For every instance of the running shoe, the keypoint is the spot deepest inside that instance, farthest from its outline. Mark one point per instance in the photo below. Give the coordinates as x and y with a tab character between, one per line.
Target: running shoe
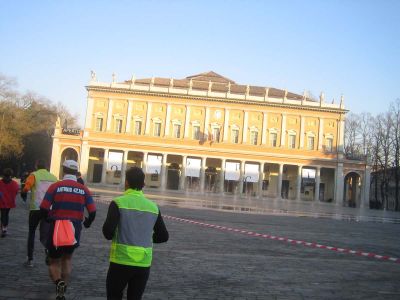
29	263
60	290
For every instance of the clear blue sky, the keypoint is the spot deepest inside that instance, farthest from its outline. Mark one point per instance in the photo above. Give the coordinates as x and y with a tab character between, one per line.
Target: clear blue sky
349	47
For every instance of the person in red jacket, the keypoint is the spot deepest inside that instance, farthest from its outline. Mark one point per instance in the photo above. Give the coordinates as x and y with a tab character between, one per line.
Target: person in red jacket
66	200
8	193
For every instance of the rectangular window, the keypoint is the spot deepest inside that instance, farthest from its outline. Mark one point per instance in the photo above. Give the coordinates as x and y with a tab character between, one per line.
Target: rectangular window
177	131
138	127
329	144
99	124
273	137
118	125
253	137
292	141
157	129
196	132
215	133
235	136
310	143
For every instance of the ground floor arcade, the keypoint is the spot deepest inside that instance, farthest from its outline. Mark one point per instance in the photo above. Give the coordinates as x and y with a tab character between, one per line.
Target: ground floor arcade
222	175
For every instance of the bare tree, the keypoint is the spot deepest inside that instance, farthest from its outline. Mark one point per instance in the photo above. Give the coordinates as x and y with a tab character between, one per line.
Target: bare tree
364	130
395	118
65	116
384	142
351	145
26	122
375	158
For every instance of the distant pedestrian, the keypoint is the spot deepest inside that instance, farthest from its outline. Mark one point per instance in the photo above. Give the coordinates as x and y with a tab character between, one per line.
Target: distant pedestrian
8	193
63	205
79	178
133	223
37	182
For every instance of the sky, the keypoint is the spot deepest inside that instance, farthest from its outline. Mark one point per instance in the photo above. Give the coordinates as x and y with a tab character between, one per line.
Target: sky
333	46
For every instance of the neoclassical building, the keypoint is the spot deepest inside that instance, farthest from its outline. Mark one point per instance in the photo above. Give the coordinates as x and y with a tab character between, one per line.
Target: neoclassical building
208	134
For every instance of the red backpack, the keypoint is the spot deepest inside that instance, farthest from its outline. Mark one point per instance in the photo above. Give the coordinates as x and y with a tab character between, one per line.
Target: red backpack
64	233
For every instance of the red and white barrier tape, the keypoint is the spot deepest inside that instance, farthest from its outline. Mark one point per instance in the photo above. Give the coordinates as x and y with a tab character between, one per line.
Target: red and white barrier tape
290	241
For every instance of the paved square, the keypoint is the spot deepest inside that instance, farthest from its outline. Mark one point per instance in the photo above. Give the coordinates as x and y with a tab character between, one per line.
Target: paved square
207	262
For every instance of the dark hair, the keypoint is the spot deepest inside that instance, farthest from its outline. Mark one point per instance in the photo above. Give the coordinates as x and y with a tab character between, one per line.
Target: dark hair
135	178
41	164
69	171
8	173
78	174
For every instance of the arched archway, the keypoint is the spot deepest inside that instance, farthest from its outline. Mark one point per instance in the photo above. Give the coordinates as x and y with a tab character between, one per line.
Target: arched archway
68	153
352	189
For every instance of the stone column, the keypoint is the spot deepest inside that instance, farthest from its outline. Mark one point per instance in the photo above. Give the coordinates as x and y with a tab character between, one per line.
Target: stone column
365	188
123	168
109	114
203	173
129	117
320	134
264	129
341	137
148	118
283	130
260	179
298	185
226	125
245	125
241	178
339	183
84	160
167	120
222	176
89	113
144	163
280	176
182	179
55	158
206	121
317	182
104	171
187	122
164	172
302	121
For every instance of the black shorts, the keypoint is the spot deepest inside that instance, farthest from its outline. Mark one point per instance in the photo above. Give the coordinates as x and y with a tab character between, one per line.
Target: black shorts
60	251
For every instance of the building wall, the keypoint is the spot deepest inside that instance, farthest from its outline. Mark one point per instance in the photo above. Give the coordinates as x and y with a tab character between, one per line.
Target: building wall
120	107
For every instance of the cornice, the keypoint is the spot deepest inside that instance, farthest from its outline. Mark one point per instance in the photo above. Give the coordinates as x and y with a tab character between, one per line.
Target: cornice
214	99
221	152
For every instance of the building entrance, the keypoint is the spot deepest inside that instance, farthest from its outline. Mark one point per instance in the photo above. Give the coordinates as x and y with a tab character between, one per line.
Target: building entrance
173	176
97	170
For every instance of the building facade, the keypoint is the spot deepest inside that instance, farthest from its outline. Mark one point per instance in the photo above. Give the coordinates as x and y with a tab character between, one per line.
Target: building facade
207	134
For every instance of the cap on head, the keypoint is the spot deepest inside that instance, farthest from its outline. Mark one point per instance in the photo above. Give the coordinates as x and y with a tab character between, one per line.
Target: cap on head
70	164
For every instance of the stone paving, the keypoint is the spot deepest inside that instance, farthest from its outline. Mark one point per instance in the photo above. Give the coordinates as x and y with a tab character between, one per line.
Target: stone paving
207	263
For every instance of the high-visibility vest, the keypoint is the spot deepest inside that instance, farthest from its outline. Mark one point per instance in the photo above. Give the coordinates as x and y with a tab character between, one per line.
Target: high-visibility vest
43	179
132	243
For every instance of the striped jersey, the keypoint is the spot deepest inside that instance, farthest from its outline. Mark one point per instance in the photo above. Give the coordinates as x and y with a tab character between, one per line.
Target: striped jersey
67	199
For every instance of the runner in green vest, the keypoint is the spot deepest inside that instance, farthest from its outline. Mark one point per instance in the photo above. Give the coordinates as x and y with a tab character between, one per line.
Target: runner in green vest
133	223
37	182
